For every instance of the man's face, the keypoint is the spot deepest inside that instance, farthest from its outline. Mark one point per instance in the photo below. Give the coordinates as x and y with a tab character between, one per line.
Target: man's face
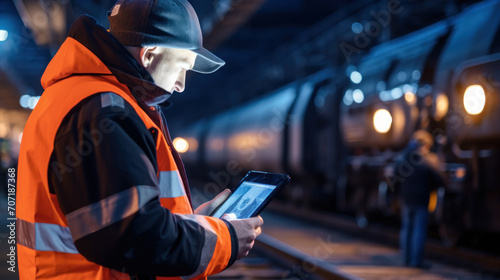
168	67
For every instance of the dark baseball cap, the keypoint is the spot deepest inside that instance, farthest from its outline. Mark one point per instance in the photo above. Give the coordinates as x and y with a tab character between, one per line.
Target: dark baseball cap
162	23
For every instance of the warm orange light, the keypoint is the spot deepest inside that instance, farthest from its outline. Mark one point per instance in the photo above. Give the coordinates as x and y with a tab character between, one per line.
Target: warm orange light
181	145
410	97
4	130
460	172
442	105
192	144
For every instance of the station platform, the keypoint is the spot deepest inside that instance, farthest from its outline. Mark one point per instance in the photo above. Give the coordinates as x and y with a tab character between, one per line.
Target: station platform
357	257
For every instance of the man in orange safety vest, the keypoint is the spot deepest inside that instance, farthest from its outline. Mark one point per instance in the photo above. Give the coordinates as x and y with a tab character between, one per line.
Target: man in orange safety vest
102	194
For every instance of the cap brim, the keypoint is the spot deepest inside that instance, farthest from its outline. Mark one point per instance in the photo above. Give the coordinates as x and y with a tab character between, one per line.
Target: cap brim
206	62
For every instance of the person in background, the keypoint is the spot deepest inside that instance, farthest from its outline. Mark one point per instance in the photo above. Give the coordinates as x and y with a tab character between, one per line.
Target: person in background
418	173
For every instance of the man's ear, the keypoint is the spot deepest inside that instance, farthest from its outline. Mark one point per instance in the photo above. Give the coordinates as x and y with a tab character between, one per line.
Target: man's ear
147	55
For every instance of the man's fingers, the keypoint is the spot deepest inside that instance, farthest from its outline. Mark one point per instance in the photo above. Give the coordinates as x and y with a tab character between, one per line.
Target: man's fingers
247	231
258	231
221	197
208	207
257	222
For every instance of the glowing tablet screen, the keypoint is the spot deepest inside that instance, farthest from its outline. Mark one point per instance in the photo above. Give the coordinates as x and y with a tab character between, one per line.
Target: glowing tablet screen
245	200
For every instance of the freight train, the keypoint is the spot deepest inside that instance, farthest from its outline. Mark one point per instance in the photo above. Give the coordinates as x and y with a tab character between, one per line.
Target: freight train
339	132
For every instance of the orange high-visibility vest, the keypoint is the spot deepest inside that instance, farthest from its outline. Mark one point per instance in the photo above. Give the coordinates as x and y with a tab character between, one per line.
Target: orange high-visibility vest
45	245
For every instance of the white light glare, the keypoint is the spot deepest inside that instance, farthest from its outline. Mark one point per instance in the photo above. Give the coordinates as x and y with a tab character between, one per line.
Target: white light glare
474	99
3	35
382	121
358	96
348	97
23	101
356	77
396	93
32	101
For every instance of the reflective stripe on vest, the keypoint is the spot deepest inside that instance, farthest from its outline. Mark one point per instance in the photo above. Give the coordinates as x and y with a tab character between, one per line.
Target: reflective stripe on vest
170	184
99	215
84	221
45	237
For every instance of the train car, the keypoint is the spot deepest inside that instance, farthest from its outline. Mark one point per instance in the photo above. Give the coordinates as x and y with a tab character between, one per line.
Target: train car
291	130
380	113
469	74
420	81
338	137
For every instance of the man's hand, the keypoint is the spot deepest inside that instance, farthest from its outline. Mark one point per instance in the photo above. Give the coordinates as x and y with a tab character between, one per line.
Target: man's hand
246	231
208	207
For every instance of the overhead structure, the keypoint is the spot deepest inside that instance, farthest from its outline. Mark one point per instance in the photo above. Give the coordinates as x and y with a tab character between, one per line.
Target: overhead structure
237	14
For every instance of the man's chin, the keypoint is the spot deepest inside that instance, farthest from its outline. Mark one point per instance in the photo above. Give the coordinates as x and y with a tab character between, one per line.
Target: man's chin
158	100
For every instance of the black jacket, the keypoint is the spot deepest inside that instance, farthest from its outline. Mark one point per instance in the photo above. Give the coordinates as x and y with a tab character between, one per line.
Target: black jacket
417	176
151	241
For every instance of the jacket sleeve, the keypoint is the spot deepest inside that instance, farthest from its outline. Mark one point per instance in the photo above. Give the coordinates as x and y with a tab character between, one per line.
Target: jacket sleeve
103	172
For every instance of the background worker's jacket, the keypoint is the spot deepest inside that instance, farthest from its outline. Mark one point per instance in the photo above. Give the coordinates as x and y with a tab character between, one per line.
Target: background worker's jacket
95	168
417	175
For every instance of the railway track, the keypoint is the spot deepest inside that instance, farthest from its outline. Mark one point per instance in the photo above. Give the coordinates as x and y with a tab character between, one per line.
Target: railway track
458	257
293	249
300	264
273	259
299	243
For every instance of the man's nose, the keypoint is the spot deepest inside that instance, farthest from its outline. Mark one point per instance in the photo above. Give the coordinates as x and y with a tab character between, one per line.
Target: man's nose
181	81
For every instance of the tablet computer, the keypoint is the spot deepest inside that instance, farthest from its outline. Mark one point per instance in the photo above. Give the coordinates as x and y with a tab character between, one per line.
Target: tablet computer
252	194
